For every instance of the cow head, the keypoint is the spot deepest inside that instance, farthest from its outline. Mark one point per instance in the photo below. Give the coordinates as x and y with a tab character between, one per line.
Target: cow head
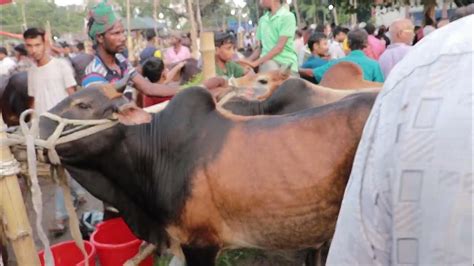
263	83
103	101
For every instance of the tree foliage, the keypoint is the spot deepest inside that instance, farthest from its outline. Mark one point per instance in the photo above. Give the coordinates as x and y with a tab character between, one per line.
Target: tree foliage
37	12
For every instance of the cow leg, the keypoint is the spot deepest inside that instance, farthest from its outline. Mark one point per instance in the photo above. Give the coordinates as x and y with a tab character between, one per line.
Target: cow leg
310	257
200	256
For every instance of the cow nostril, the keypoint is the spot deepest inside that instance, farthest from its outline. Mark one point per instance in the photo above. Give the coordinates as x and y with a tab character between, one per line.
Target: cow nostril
263	81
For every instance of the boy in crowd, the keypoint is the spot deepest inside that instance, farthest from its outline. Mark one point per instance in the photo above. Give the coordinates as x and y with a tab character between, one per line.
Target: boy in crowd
225	48
275	34
318	45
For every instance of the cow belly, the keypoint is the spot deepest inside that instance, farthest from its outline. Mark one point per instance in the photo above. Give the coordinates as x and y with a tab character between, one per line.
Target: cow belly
280	220
280	195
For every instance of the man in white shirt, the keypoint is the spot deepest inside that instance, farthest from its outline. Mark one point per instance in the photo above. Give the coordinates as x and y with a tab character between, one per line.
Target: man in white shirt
402	33
408	200
335	46
6	63
50	80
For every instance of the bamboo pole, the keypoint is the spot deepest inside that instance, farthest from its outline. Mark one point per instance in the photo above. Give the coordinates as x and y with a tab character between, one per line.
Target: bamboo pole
13	217
208	55
193	29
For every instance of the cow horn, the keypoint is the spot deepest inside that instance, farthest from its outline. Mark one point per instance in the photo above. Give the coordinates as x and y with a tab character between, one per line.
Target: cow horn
121	84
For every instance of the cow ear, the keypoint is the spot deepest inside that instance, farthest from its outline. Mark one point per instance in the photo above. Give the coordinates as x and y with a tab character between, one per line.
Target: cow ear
285	70
130	114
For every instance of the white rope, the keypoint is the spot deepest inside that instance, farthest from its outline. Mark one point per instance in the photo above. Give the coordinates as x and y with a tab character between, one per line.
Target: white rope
36	195
30	139
7	168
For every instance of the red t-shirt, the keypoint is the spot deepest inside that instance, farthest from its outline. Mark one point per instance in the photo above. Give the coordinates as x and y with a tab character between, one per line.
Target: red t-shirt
152	100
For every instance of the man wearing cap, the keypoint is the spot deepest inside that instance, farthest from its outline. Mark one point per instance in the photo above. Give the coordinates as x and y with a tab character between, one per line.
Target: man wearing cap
109	65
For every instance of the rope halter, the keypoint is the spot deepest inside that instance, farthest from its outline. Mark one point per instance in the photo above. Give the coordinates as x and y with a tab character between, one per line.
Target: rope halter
83	128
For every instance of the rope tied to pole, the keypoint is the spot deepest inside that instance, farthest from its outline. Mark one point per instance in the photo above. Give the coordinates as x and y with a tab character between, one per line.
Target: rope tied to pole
36	195
30	138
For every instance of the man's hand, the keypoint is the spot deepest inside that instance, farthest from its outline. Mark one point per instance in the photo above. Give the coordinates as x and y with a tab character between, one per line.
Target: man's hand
252	64
306	72
215	82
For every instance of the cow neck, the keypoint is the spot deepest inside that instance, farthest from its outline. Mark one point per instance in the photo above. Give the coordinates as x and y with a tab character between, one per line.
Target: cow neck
166	153
242	106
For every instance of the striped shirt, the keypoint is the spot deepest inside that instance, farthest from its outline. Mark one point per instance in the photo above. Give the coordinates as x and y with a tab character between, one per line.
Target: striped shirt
97	72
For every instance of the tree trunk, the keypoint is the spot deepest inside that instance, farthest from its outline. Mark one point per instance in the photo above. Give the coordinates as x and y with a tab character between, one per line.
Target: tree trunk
297	11
315	15
129	35
334	13
193	29
198	16
156	4
354	15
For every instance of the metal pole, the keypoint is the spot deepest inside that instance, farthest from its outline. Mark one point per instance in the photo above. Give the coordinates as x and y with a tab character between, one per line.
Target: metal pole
13	217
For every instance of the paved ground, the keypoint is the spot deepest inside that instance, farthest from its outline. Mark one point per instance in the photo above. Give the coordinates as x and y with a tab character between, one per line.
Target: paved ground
47	188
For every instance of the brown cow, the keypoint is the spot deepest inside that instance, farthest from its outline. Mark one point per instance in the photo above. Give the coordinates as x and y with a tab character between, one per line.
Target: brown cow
346	76
343	75
292	95
209	180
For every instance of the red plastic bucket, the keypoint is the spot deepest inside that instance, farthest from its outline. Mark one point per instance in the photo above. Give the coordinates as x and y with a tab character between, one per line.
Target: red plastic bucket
68	254
115	243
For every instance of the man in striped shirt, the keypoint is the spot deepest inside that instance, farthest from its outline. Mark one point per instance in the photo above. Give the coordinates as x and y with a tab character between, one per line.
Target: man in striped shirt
108	34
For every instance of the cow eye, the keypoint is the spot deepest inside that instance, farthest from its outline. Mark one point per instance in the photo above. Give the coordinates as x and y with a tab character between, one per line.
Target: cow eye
263	81
84	105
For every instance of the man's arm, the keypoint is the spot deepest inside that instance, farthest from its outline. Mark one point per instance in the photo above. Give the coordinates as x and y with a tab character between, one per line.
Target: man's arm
256	53
306	72
153	89
273	52
174	71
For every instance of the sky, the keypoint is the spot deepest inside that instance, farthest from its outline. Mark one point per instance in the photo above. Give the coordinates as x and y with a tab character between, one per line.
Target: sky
68	2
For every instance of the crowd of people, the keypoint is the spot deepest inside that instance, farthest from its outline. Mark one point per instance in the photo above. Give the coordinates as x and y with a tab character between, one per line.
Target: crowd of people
55	73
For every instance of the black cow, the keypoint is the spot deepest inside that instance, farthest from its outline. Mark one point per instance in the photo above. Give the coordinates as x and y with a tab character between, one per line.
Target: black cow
14	99
206	180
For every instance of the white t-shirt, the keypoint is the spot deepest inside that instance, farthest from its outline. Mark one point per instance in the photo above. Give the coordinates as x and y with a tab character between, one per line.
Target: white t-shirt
409	200
48	83
335	50
6	65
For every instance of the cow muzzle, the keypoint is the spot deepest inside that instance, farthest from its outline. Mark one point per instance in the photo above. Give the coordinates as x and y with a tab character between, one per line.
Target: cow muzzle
68	130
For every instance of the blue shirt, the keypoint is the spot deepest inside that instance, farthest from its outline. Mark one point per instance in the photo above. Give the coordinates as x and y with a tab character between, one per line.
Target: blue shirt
370	67
314	61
